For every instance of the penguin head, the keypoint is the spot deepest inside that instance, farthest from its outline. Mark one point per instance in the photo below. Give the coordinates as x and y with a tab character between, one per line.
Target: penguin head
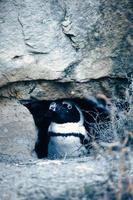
64	112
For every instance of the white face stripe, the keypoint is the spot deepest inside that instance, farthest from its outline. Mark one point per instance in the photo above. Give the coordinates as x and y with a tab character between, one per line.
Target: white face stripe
52	106
69	105
81	116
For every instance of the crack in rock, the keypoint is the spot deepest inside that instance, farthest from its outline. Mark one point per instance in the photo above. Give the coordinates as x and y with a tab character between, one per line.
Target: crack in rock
22	29
32	89
32	48
39	52
70	69
67	30
17	57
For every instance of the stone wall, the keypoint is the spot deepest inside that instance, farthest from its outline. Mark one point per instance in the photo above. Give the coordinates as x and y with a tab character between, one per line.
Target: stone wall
47	42
52	49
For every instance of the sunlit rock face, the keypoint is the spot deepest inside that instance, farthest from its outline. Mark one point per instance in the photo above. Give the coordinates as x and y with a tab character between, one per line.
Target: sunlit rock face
66	41
17	131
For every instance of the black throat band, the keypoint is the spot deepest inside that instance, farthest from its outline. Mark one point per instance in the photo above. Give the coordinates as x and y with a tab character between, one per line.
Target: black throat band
82	138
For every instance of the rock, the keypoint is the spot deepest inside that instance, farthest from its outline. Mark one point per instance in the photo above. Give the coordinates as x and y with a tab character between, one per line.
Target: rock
65	41
17	131
101	30
82	178
61	49
34	47
49	90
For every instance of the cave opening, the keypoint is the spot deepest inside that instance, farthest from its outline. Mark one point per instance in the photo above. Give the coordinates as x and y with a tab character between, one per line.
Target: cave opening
66	116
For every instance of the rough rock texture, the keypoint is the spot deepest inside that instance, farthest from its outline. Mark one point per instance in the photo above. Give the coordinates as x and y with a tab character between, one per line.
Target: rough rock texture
17	131
65	41
52	49
84	179
50	90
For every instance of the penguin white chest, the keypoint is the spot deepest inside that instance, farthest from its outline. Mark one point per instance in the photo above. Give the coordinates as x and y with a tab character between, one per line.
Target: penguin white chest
60	147
66	146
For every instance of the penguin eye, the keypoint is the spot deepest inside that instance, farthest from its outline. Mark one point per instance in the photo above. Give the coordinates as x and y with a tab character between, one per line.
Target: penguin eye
52	106
68	105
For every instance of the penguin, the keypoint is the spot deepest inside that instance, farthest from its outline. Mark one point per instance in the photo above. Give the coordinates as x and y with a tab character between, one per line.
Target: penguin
67	134
64	125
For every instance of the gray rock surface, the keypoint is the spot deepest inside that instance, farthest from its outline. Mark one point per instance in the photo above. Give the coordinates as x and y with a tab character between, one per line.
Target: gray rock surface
83	178
65	41
53	49
17	131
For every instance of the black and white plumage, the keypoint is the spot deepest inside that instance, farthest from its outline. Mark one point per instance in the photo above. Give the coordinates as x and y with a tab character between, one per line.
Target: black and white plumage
67	132
63	125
